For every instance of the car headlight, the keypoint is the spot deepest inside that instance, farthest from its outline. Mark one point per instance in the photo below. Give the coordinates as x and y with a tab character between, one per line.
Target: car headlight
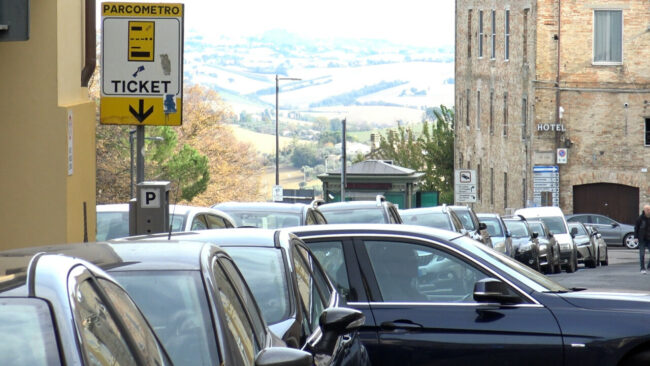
542	247
565	246
525	247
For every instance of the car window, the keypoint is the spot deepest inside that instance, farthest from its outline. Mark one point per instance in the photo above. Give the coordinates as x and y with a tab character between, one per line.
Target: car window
27	333
264	272
215	222
242	344
330	256
603	220
408	272
555	224
581	218
493	226
102	342
198	223
466	218
265	220
310	297
322	282
432	219
176	306
537	228
581	229
134	322
361	215
111	225
247	299
517	228
177	222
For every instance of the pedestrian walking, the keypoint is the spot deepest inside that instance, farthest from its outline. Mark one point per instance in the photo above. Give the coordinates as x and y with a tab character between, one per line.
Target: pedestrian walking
642	235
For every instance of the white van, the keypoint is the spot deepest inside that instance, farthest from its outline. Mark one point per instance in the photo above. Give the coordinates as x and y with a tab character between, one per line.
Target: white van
556	222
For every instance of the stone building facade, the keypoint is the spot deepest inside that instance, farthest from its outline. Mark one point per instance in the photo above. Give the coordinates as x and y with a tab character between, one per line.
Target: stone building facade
540	82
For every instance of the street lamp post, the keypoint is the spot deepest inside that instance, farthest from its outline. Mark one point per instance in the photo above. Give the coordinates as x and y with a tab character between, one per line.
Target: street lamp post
131	138
277	134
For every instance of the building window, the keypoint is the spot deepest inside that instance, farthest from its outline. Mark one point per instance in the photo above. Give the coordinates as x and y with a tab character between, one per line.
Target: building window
507	36
525	41
608	36
505	190
492	186
491	112
505	114
494	35
524	117
523	193
480	33
647	132
467	109
478	110
469	33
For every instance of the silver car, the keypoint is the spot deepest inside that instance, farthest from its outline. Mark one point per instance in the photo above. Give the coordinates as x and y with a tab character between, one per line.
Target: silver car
613	232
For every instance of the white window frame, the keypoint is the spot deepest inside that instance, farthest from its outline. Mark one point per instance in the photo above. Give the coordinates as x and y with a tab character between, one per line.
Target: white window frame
480	34
593	39
493	36
506	33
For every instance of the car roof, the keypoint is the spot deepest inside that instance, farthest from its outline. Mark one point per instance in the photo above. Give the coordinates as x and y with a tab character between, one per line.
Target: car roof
231	237
334	206
487	215
412	211
261	206
540	211
173	209
369	229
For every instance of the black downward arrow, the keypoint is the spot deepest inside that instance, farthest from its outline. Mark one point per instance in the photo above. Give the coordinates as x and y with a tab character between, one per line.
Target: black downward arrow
141	115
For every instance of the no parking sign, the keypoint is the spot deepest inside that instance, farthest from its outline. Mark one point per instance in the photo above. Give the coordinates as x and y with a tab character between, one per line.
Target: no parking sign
562	155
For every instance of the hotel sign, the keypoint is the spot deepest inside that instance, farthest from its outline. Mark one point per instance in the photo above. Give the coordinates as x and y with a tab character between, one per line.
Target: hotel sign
543	127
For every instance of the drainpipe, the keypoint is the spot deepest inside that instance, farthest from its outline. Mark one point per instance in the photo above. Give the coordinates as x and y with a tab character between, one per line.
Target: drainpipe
90	45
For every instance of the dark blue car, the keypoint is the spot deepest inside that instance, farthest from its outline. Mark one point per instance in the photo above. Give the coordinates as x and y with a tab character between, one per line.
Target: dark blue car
434	297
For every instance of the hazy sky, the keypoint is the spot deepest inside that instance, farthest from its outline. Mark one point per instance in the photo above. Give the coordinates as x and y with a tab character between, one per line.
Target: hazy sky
418	22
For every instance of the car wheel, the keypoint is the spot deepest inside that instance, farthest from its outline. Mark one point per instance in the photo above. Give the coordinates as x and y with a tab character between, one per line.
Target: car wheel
605	262
629	242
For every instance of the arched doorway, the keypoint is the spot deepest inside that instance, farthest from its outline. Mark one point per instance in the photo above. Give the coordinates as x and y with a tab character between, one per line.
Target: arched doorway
618	201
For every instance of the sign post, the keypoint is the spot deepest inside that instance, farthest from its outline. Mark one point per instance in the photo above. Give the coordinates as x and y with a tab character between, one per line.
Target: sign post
465	190
142	64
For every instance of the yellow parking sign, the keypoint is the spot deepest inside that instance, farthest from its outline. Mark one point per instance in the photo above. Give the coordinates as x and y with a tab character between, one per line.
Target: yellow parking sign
141	41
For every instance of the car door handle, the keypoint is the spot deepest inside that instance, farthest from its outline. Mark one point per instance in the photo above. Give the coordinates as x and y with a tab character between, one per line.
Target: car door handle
401	324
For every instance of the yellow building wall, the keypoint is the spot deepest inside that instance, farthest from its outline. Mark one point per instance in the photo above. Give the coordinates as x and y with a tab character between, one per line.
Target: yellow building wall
40	81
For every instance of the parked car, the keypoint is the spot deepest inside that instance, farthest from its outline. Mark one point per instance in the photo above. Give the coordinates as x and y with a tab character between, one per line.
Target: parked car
549	249
499	234
377	211
474	306
195	299
272	215
440	217
601	245
524	242
113	219
556	222
584	243
613	232
478	230
59	310
296	298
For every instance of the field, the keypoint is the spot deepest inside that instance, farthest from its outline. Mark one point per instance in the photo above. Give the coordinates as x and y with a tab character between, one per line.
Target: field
265	144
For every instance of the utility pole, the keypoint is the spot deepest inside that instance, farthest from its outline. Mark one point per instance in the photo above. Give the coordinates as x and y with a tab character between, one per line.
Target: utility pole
343	159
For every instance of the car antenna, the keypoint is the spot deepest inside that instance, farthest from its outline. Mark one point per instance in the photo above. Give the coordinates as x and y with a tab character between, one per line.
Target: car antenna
171	216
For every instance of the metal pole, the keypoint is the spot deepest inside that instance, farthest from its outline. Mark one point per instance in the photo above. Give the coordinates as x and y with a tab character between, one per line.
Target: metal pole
343	158
140	154
277	137
131	133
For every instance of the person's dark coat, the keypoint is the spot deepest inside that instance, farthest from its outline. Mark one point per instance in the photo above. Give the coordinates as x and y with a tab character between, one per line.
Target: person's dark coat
642	228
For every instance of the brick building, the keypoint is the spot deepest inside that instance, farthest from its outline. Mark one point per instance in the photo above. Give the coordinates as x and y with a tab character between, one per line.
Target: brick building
533	77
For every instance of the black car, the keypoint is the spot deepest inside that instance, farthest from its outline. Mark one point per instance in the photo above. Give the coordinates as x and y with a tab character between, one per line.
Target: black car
376	212
195	299
440	217
296	298
477	229
549	248
435	297
272	215
524	241
59	310
584	243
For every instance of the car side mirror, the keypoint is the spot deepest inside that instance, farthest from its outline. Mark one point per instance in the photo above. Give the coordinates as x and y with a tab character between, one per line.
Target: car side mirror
534	235
282	356
491	290
574	232
616	224
482	226
508	234
335	322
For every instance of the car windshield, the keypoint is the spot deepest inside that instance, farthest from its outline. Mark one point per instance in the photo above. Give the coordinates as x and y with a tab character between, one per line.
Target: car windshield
27	333
111	225
510	266
493	226
263	270
466	219
265	219
536	227
555	224
176	306
517	228
432	219
581	228
355	216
